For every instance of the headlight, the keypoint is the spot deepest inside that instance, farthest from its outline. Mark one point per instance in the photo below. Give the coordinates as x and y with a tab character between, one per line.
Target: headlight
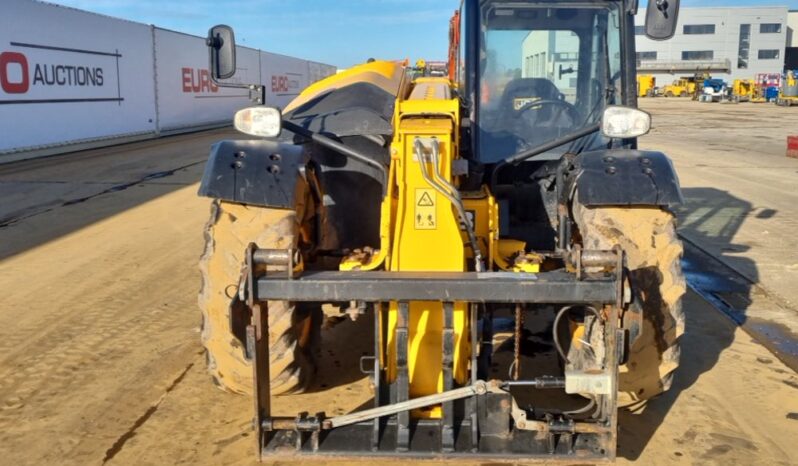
625	122
265	122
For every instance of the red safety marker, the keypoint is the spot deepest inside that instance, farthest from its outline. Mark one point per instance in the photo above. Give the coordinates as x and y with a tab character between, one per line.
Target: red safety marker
792	146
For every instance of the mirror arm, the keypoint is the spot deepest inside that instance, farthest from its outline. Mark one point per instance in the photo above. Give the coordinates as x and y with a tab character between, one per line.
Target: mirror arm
257	92
224	84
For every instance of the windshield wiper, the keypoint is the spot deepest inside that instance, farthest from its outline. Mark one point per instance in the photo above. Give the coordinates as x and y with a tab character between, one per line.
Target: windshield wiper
535	151
571	137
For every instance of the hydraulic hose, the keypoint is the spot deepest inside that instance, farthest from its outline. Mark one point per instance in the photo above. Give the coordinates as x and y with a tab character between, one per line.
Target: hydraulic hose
452	196
555	326
472	238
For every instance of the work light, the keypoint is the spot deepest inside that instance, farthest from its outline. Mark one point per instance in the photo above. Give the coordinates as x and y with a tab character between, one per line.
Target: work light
625	122
263	122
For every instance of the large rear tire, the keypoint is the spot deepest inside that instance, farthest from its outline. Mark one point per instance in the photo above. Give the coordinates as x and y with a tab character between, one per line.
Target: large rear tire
294	332
653	255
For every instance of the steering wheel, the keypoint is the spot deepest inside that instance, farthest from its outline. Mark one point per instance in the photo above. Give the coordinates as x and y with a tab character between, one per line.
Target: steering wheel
566	106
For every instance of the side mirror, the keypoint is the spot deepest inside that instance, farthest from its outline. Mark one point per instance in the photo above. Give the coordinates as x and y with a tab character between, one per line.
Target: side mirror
661	17
221	44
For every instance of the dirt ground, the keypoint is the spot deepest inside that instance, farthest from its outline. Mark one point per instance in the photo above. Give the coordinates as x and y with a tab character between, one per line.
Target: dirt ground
738	183
100	359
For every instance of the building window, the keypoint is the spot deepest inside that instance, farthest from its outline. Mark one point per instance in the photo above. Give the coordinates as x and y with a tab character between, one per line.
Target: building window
698	55
744	46
698	29
640	30
769	54
646	56
770	28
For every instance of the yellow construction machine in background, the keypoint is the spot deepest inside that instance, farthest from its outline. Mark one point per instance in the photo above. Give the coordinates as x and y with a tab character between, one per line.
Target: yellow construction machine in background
682	87
646	85
744	90
788	93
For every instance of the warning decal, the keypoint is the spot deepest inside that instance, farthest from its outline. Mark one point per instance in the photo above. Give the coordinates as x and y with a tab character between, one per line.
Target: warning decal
426	216
425	200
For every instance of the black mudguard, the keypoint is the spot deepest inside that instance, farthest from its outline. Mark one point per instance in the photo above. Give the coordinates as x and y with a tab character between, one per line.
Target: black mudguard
624	177
256	172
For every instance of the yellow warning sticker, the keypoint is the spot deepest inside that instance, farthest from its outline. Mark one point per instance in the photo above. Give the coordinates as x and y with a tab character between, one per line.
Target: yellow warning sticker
426	215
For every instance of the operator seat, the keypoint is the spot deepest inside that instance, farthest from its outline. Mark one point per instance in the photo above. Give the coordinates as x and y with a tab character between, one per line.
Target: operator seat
511	131
543	122
523	88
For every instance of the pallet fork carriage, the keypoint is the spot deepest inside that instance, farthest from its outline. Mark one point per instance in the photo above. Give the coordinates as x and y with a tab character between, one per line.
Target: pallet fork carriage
479	418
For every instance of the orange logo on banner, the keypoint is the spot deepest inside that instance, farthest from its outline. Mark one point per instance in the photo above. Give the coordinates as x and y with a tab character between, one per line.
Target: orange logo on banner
198	81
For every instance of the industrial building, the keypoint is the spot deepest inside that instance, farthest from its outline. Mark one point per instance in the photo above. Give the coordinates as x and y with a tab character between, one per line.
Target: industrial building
728	42
791	54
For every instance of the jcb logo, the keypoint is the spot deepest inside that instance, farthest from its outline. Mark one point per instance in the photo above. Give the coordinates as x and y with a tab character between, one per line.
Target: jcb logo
14	78
279	83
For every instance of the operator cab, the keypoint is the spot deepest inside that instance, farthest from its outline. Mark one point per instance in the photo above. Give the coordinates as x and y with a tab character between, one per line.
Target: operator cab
535	79
543	73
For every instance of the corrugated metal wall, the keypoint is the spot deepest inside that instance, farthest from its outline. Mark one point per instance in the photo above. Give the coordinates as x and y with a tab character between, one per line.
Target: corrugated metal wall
71	79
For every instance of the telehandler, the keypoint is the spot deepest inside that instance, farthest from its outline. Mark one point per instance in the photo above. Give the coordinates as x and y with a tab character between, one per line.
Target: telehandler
442	207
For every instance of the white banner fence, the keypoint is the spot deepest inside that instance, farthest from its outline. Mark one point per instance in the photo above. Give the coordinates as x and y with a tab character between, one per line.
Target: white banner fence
71	79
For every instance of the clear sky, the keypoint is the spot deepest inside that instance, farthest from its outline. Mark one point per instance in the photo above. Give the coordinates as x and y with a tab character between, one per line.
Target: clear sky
338	32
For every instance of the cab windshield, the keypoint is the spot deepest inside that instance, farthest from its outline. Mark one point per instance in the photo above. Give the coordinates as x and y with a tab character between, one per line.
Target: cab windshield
545	73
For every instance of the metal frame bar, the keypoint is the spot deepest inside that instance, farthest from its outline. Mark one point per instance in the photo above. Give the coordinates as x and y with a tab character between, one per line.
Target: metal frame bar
447	420
402	377
377	376
556	287
258	342
471	403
